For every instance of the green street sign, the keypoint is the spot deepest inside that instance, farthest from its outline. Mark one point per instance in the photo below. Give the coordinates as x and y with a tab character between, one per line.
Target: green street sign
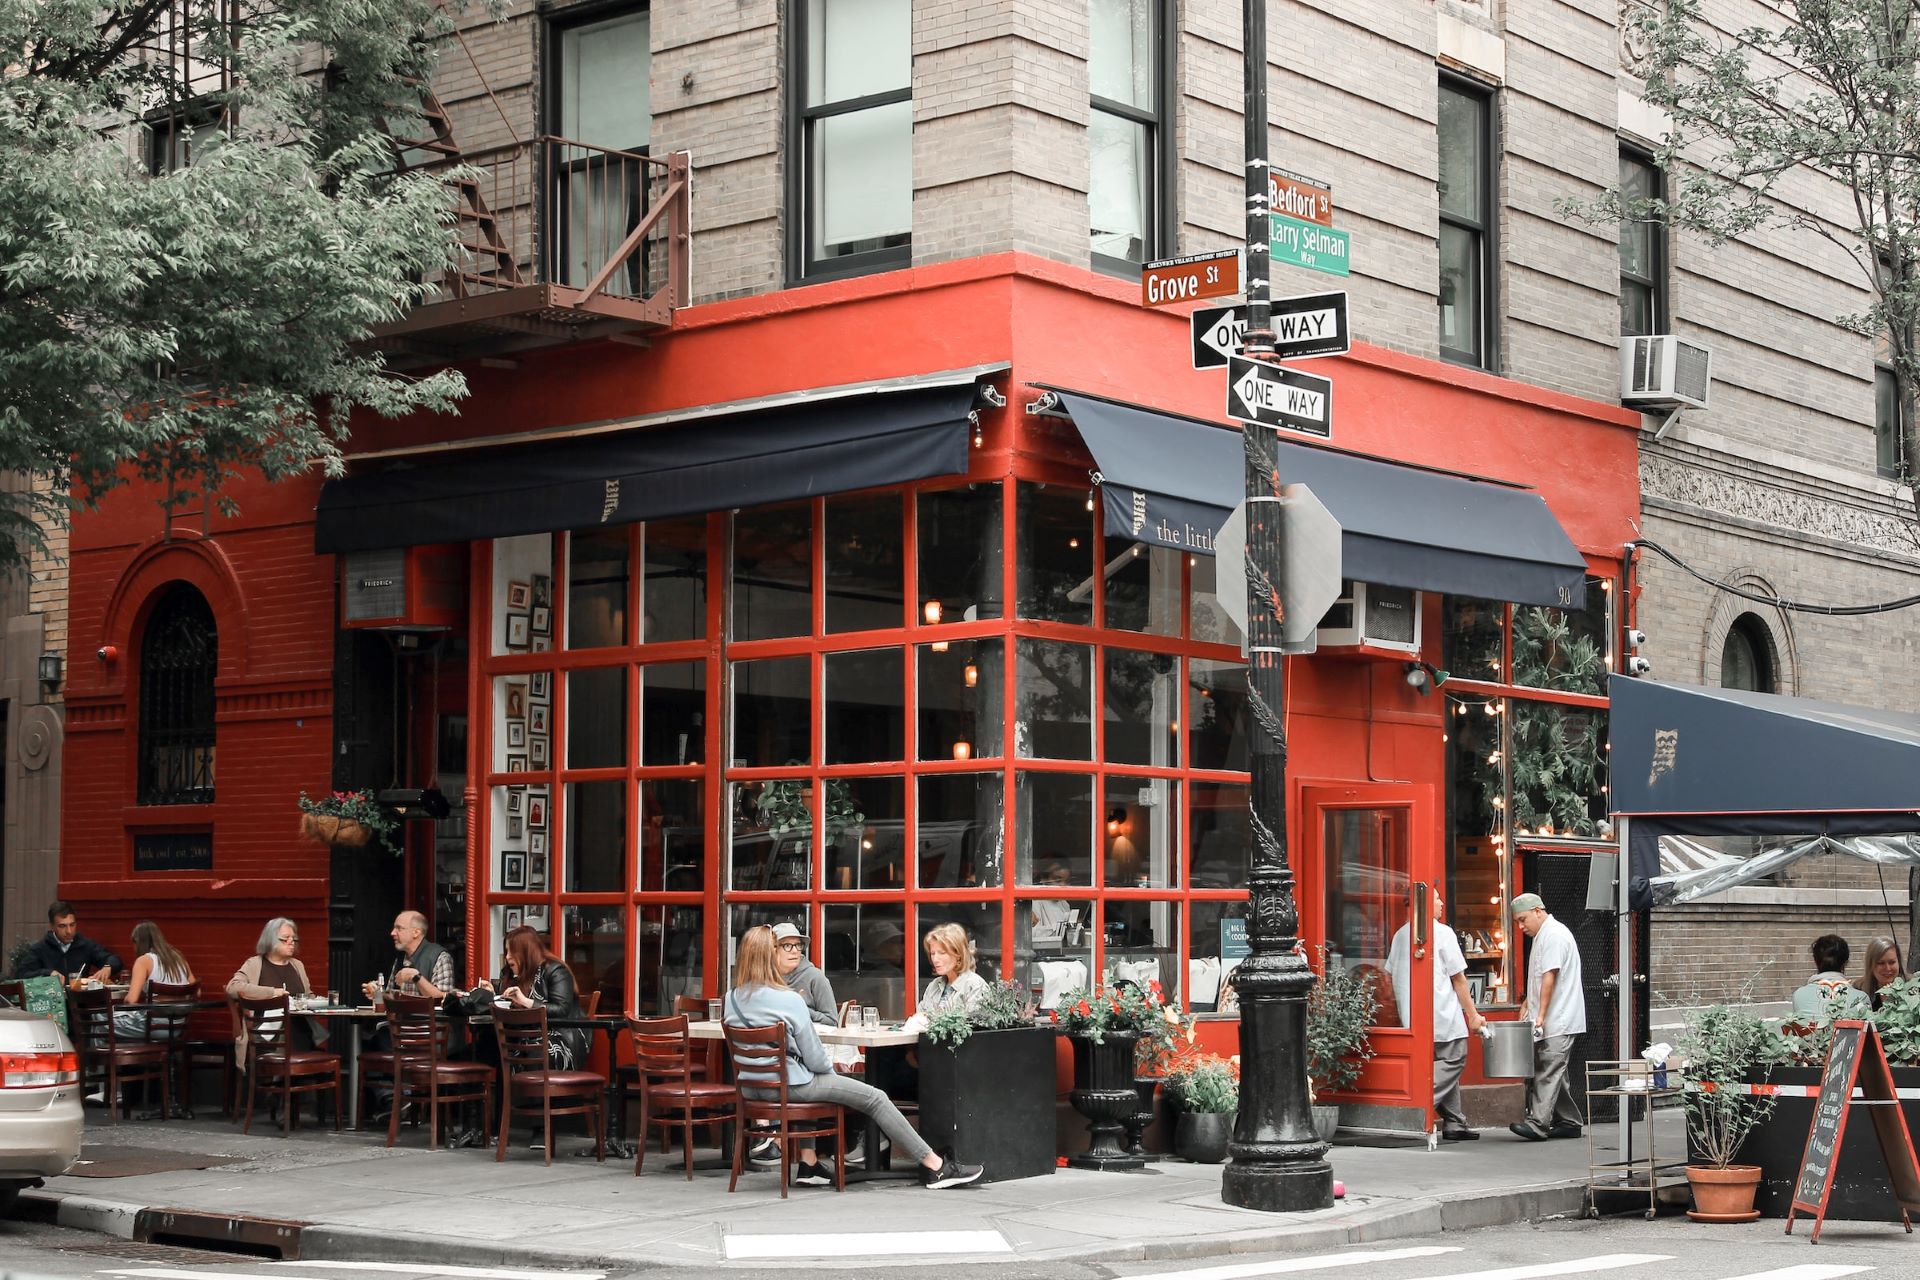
1309	245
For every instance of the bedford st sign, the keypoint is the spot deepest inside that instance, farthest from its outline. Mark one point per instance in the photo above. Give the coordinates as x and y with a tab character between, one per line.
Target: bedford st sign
1194	278
1276	396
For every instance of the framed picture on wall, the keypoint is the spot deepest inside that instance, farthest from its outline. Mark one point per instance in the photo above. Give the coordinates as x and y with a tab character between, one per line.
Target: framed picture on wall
516	701
1477	987
516	798
543	589
542	644
537	718
537	872
537	812
541	688
537	843
519	595
516	733
513	871
514	916
536	918
537	751
516	631
514	829
517	763
542	620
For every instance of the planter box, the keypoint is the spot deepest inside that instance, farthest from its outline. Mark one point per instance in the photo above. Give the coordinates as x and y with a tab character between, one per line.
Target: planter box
1860	1188
991	1100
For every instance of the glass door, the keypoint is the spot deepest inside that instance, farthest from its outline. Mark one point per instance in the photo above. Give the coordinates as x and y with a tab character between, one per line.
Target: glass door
1371	856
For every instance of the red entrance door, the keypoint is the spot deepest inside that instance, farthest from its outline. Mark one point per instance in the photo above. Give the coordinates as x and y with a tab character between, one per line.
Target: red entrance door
1373	860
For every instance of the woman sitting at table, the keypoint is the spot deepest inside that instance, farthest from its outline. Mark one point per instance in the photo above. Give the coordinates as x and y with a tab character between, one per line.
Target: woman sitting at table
273	970
762	999
533	976
155	960
955	985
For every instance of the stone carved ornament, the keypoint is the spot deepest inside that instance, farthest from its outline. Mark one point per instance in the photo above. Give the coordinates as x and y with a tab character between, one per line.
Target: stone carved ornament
1633	42
1809	513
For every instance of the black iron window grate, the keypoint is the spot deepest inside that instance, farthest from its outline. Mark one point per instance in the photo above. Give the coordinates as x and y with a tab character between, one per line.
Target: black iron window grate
178	660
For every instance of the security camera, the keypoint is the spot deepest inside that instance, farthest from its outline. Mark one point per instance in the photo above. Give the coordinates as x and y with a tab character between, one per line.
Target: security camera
1635	637
1638	666
107	652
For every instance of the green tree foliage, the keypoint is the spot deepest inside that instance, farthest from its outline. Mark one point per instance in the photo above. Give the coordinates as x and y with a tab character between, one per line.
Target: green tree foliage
1830	88
199	323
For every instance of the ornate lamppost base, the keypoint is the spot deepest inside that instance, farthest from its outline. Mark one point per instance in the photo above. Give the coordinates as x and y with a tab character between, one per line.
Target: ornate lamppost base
1279	1188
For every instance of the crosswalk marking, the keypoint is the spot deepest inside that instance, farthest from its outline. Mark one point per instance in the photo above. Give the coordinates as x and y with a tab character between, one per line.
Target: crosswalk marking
856	1244
437	1269
1568	1267
1241	1270
1805	1271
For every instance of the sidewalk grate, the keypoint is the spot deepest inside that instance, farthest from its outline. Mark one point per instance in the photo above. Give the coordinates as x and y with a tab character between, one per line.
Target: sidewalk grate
234	1233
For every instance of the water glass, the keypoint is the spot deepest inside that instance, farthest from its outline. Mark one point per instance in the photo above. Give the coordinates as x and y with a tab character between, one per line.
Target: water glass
870	1018
333	999
713	1010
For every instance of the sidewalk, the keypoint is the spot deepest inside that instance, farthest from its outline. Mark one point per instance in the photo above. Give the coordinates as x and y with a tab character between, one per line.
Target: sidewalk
356	1200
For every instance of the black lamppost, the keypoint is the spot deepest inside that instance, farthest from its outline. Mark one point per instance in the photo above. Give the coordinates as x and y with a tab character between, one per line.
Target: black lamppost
1278	1162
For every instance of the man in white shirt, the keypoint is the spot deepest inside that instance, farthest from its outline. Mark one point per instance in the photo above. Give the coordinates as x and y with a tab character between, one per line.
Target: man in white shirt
1558	1012
1453	1016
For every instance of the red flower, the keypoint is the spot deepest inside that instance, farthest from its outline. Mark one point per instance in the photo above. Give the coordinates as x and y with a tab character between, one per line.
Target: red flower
1083	1009
1054	1014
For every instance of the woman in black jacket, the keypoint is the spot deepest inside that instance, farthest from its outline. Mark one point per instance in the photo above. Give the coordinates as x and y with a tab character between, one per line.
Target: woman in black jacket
533	975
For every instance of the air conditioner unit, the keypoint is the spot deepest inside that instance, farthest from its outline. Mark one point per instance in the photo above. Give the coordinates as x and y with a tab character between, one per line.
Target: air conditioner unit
404	589
1664	370
1367	616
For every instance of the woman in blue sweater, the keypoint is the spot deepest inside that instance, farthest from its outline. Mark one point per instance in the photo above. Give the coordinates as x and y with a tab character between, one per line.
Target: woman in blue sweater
762	1000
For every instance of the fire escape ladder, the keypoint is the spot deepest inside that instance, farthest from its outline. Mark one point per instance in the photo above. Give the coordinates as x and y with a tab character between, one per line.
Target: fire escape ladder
486	260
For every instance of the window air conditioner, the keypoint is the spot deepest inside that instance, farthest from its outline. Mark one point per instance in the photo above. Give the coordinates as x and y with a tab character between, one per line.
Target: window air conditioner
1664	370
1367	616
404	589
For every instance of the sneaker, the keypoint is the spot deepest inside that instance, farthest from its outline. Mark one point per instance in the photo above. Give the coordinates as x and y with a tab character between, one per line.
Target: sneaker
1564	1131
1528	1130
817	1174
765	1153
1459	1135
951	1173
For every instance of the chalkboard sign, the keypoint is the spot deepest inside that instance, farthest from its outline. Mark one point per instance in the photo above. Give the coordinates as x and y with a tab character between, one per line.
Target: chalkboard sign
1856	1056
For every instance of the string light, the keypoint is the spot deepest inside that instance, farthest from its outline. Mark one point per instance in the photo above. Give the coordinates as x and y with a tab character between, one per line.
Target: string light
1089	501
932	612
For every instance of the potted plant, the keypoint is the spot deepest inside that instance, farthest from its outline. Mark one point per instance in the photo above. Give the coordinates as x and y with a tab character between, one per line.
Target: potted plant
1340	1010
1156	1054
1105	1028
986	1084
350	818
1722	1047
1206	1088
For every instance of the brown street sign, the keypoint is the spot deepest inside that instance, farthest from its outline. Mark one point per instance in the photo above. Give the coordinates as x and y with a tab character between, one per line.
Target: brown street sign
1194	278
1307	199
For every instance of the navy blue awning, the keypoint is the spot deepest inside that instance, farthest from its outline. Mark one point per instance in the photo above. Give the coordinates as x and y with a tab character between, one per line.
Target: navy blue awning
880	437
1171	481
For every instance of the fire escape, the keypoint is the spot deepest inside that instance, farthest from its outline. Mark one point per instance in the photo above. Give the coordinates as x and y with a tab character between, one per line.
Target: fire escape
557	241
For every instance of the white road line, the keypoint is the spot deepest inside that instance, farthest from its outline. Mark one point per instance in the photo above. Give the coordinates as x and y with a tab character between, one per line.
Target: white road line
437	1269
1570	1267
860	1244
1238	1271
1805	1271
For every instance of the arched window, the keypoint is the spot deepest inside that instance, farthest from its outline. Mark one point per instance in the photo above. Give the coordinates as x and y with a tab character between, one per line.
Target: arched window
179	656
1746	656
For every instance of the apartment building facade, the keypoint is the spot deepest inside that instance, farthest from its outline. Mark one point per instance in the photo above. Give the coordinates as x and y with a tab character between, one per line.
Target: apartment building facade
806	546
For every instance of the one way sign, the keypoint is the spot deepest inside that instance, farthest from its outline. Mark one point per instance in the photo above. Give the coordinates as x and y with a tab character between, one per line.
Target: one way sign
1312	324
1279	397
1218	332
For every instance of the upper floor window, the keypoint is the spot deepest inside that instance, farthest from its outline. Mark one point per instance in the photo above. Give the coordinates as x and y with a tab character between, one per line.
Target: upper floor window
179	657
853	120
1643	250
602	116
1126	191
1889	426
1466	224
188	78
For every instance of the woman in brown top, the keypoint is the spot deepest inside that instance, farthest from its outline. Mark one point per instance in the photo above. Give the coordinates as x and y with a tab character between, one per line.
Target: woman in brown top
272	969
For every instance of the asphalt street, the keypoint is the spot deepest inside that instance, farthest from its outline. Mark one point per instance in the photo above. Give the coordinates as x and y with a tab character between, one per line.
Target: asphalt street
1614	1249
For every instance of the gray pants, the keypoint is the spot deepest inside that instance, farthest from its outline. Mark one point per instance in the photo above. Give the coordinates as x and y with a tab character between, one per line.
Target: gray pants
857	1096
1549	1095
1449	1063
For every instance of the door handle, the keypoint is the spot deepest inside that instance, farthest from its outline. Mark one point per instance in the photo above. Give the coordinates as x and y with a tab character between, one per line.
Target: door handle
1422	911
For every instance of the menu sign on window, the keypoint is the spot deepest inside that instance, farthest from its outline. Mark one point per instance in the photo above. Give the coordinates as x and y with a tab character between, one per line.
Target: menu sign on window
1856	1057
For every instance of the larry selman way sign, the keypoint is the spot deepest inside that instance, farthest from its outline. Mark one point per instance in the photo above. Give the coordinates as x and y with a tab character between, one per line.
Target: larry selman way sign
1279	397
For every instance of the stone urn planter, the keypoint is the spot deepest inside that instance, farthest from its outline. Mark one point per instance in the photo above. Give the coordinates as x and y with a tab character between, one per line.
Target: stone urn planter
1723	1195
1326	1120
1202	1136
328	829
1145	1088
1103	1092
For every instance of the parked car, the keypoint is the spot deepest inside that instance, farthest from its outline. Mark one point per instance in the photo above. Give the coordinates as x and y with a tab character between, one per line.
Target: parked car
40	1111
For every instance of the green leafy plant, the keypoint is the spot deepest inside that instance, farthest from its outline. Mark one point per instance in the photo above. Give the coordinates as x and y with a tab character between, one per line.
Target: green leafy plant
784	806
1898	1020
1722	1046
1002	1006
18	956
1124	1007
1340	1010
1206	1084
355	806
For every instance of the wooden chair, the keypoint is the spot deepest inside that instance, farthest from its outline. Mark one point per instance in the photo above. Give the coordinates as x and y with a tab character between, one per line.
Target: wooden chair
760	1062
531	1086
14	992
209	1044
419	1038
271	1056
590	1007
706	1054
168	1029
106	1062
672	1095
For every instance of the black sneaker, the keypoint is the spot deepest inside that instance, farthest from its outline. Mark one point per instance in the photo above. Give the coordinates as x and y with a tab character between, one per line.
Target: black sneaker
817	1174
951	1173
1528	1130
764	1153
1459	1135
1564	1131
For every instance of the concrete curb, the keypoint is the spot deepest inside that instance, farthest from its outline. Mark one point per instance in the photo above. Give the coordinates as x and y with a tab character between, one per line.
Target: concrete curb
1363	1224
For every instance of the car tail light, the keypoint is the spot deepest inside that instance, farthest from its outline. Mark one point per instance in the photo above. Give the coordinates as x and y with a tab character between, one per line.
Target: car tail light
38	1070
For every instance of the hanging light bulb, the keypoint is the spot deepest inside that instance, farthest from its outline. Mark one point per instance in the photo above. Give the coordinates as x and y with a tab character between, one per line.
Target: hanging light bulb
972	675
963	751
932	612
938	646
1089	500
1073	543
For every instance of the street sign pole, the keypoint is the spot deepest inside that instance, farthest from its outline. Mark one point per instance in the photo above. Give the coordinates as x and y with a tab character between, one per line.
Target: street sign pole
1278	1163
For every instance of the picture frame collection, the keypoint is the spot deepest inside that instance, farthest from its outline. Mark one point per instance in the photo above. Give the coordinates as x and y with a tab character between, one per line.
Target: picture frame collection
525	732
529	614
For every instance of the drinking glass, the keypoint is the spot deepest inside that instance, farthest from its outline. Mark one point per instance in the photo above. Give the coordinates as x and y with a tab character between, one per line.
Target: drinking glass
870	1018
333	999
713	1010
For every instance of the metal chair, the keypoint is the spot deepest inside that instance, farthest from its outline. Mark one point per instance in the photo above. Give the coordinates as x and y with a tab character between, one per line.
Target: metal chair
672	1095
419	1038
107	1062
530	1086
760	1062
270	1054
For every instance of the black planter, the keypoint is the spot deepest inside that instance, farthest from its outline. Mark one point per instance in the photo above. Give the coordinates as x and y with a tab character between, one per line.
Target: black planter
1136	1124
1202	1136
1860	1188
991	1101
1103	1092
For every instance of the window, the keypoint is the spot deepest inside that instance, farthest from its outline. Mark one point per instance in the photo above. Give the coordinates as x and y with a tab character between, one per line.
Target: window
1466	224
1746	656
179	657
603	108
1643	249
1889	425
1126	185
187	79
853	142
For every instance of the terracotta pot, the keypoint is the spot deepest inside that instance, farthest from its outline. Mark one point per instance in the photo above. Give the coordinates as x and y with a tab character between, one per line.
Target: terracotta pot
1723	1195
328	829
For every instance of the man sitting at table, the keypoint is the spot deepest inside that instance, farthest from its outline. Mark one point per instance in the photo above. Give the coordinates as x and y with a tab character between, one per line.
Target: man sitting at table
419	967
66	953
